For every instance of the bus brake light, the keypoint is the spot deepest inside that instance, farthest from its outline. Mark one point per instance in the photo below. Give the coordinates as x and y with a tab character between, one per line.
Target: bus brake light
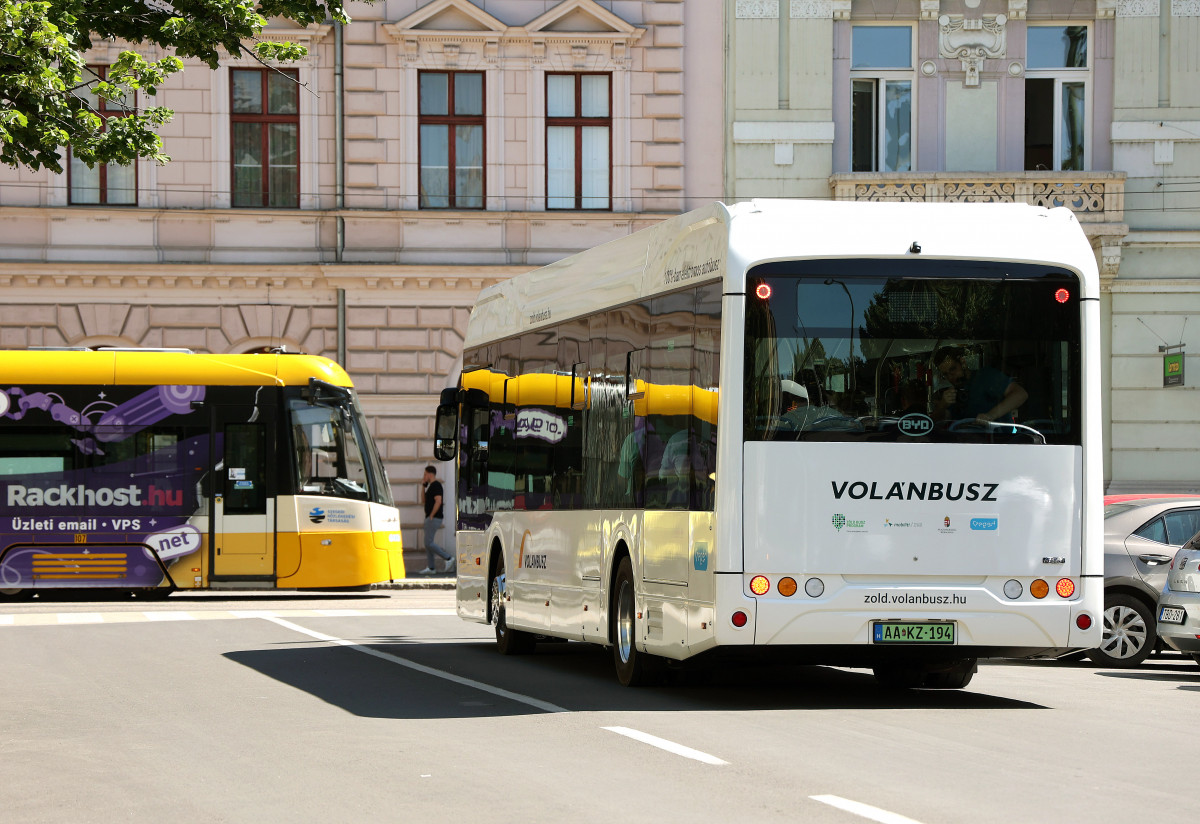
1062	296
1065	587
760	585
763	291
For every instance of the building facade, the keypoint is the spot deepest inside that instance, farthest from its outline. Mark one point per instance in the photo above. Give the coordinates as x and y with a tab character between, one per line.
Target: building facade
354	204
1092	105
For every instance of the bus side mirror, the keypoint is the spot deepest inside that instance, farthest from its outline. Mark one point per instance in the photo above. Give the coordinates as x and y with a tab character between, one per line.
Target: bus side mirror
445	432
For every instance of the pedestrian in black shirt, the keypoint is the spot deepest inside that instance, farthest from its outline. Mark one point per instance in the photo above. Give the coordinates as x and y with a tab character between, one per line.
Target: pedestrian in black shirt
431	497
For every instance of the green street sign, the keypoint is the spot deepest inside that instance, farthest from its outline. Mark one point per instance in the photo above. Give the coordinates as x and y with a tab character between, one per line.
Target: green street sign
1173	369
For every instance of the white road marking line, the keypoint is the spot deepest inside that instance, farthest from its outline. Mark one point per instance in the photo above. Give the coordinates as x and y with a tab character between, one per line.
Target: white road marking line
457	679
35	619
169	616
80	618
664	744
864	810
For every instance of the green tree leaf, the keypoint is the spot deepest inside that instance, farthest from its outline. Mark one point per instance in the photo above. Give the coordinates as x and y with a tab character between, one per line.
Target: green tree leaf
49	100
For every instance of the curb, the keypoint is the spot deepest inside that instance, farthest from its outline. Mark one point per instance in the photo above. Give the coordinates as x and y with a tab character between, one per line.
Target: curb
417	583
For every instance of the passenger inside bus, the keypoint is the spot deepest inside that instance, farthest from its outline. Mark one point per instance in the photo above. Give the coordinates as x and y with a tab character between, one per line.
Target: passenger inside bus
983	393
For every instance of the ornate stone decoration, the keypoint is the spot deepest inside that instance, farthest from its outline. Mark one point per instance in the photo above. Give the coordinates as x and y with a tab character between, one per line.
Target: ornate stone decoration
1137	8
757	10
972	41
1185	8
812	9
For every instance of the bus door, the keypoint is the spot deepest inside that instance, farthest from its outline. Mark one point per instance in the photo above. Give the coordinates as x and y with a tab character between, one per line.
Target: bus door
242	529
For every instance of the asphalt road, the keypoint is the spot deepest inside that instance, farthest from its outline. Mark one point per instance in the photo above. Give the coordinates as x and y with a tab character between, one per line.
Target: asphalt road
386	707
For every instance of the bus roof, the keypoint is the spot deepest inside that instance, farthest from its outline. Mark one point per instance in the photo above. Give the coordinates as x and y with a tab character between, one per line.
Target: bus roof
165	368
720	241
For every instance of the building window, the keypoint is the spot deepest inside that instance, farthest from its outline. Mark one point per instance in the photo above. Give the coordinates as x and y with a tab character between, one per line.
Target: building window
106	183
265	115
451	126
881	102
1056	98
578	141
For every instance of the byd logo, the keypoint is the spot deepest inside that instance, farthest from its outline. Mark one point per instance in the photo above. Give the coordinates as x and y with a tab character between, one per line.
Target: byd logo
915	424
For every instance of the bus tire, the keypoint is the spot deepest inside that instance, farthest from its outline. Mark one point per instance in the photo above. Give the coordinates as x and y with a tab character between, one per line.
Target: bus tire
900	676
508	641
954	677
1130	631
634	668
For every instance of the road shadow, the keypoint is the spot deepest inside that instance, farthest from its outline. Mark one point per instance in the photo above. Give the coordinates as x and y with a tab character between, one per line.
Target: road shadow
571	676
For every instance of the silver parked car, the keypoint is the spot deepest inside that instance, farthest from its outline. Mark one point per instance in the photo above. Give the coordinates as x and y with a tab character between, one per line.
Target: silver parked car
1179	603
1141	535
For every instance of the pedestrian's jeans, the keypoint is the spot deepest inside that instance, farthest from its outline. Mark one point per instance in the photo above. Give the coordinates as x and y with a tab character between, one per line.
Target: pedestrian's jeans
432	525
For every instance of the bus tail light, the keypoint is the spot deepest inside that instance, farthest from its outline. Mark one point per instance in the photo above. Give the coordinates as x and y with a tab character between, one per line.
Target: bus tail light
1065	587
1039	589
739	619
1083	621
1013	589
786	587
760	585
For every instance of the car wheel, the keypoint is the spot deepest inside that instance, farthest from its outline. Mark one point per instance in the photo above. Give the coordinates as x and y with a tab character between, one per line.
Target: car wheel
1129	633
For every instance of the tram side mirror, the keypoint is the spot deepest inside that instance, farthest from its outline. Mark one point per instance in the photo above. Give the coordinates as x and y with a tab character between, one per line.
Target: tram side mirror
477	398
445	432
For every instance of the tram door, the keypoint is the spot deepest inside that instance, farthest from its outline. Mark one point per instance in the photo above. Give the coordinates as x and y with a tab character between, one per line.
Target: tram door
242	534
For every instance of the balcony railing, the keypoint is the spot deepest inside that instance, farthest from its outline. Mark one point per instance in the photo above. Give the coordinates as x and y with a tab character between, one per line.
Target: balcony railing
1094	197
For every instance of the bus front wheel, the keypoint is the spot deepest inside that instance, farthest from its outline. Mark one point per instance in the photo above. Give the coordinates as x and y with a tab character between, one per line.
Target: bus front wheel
634	668
508	641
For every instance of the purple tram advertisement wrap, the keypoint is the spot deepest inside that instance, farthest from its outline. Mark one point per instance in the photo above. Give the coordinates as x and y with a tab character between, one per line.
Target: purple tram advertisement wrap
101	486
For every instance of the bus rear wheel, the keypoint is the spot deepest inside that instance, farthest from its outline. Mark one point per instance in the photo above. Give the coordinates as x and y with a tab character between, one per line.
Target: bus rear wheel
508	641
905	676
634	668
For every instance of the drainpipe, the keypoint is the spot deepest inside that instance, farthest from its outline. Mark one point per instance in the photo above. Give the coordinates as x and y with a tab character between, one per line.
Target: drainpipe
341	327
339	138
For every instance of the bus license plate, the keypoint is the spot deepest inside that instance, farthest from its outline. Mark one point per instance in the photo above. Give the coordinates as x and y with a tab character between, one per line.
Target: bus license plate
913	632
1171	615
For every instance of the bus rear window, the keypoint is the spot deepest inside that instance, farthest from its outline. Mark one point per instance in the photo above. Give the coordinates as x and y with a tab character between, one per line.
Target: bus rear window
912	350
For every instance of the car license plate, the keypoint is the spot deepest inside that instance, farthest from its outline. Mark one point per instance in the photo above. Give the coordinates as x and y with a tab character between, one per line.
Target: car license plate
913	632
1171	615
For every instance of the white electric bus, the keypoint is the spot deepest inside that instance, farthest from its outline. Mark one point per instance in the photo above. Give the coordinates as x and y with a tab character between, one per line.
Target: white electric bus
858	434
